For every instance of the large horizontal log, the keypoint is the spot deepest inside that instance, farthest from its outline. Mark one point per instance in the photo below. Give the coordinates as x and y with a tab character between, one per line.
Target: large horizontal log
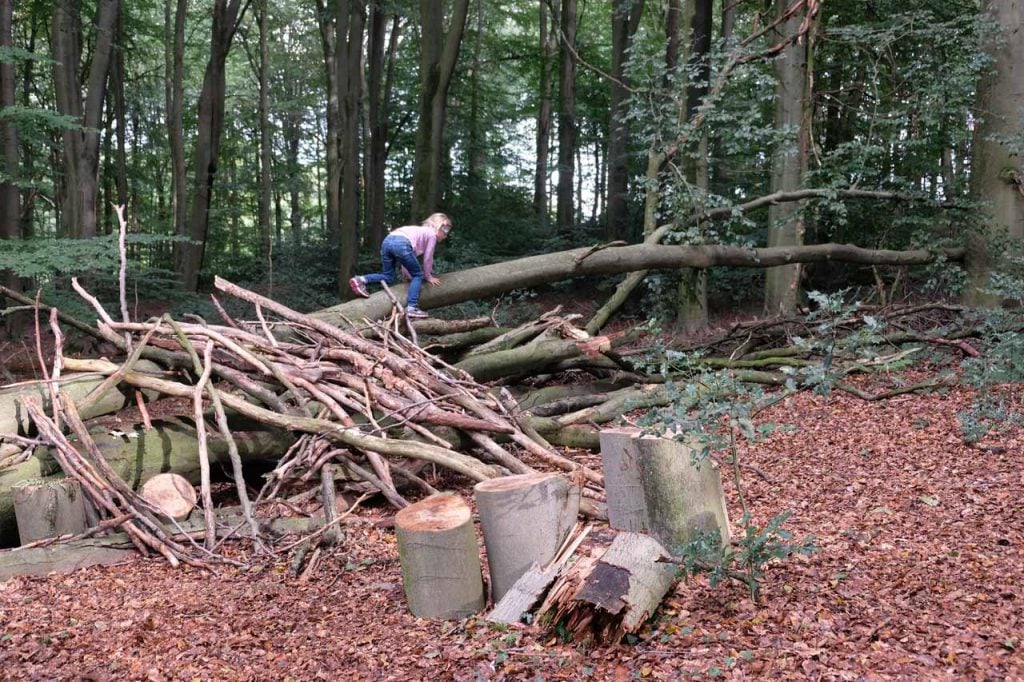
66	557
138	455
13	418
499	278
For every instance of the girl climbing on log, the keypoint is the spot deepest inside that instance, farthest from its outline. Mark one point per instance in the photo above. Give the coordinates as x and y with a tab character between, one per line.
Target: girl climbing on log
401	247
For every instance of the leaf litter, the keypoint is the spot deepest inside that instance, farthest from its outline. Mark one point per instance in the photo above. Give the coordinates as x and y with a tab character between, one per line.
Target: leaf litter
918	575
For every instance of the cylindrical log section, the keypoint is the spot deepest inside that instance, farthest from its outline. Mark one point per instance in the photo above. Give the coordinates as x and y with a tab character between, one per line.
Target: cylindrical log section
524	519
627	509
170	493
440	559
683	494
47	509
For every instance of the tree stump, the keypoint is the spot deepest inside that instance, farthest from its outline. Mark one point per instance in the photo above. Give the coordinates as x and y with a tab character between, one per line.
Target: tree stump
655	486
170	493
525	519
47	509
684	498
627	509
440	559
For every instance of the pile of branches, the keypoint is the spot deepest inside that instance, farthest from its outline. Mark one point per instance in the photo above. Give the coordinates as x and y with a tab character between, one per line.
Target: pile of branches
374	404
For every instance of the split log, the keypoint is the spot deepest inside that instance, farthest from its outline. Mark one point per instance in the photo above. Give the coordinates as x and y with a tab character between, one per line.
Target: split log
616	594
47	509
440	559
531	585
170	493
524	519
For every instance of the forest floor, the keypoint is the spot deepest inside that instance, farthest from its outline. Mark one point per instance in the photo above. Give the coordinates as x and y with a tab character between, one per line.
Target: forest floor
919	574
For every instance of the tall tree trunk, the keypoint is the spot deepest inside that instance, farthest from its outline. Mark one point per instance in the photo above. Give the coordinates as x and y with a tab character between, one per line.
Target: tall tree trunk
10	197
567	134
27	153
81	147
381	54
350	25
120	118
540	174
174	94
439	53
291	131
266	186
692	298
786	222
625	20
477	137
326	21
210	127
997	171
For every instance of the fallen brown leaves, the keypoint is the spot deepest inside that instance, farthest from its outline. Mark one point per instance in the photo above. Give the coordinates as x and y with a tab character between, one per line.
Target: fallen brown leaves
919	576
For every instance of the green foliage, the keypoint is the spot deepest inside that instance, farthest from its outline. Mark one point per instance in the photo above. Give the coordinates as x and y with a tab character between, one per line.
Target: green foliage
746	559
45	259
999	372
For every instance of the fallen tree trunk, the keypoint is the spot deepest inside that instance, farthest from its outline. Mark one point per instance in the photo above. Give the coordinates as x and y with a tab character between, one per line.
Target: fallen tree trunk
500	278
14	419
138	455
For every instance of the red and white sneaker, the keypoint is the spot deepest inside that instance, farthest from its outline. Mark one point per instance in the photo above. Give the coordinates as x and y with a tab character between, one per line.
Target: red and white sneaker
358	287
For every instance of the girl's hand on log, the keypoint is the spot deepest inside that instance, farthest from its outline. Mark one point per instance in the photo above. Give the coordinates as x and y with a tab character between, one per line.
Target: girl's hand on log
433	280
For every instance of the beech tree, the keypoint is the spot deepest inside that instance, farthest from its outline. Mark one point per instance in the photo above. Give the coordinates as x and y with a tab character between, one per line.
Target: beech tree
81	146
439	52
792	112
997	169
567	129
206	147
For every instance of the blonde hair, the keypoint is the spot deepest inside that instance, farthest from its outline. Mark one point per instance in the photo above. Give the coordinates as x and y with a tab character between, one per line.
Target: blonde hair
438	221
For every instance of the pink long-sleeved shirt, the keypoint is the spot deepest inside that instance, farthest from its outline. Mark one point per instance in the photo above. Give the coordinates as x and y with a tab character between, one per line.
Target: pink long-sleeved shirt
423	239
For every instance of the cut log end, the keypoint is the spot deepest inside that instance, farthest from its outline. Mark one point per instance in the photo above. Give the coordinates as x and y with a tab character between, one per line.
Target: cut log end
436	513
170	493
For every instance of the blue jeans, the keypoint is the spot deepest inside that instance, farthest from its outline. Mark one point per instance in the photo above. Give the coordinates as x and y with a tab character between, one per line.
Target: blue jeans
397	250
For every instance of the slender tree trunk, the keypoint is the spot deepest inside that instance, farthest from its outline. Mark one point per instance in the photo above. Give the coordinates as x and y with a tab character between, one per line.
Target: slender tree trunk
477	137
350	25
332	208
997	171
377	103
81	147
27	154
266	185
439	53
210	127
625	20
10	197
786	221
175	102
565	211
692	298
10	200
540	175
120	118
